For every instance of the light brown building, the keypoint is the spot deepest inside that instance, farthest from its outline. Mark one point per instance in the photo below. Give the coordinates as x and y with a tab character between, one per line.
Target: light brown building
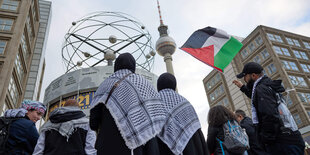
284	56
19	26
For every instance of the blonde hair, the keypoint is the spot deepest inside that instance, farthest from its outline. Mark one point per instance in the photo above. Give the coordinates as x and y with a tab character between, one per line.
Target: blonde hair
71	102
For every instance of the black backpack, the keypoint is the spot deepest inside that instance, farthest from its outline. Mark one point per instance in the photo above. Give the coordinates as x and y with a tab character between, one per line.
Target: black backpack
5	124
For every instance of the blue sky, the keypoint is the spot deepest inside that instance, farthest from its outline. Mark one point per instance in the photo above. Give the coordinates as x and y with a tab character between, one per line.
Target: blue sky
183	17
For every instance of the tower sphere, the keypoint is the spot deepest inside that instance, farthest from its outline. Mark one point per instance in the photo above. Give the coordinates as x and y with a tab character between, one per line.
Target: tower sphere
109	55
112	39
165	44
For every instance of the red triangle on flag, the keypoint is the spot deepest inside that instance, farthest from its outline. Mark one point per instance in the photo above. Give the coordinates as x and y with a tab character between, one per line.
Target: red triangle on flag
205	54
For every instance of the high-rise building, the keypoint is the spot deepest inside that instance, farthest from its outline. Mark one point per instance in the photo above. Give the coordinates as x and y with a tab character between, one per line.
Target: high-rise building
35	77
19	27
284	56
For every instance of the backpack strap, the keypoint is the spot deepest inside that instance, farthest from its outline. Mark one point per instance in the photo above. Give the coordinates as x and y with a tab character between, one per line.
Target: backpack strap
110	93
221	144
116	85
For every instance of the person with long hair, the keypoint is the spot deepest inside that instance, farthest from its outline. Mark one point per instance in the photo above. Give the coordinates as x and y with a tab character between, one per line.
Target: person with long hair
217	117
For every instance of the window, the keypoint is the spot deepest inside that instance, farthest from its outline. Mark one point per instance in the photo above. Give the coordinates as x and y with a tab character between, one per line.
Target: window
24	46
6	24
257	59
297	81
223	102
258	40
13	91
281	50
2	46
307	44
19	68
216	93
212	98
213	81
304	97
244	53
29	28
305	67
9	5
265	54
288	101
289	65
33	10
297	119
252	47
300	55
274	37
293	42
271	68
4	109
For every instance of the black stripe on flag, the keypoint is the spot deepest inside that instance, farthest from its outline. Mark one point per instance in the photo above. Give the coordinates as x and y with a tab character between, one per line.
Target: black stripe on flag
199	37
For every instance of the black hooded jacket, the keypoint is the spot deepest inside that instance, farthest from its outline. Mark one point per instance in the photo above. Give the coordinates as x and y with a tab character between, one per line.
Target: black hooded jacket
255	148
74	145
265	103
196	144
109	139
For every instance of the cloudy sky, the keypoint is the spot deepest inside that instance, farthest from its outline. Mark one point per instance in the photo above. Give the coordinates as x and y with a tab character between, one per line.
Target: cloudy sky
183	17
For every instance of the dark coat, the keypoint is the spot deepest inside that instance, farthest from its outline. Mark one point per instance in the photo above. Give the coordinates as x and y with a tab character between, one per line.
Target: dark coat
109	140
265	102
195	146
213	143
23	137
74	145
255	148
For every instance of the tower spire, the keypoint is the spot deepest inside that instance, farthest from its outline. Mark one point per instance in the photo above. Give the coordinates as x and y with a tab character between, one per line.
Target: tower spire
163	29
165	45
160	18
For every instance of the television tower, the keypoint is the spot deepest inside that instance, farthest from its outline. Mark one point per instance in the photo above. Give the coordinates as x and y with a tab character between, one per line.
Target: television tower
165	45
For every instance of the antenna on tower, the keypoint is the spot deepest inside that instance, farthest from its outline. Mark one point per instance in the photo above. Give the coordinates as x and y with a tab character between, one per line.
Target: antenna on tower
160	18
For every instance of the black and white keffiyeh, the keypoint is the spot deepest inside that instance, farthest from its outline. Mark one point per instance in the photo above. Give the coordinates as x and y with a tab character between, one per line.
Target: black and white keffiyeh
181	123
68	127
135	106
254	112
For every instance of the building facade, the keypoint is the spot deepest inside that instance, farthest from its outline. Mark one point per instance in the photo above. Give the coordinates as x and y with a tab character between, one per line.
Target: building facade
35	77
284	56
19	26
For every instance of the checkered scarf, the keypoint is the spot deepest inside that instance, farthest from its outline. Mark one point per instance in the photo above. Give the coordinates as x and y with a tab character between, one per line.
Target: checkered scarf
254	112
67	128
25	107
181	123
28	105
135	106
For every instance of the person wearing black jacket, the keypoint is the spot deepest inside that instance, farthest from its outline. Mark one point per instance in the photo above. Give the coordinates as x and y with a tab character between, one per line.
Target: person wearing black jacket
272	134
247	124
126	112
23	134
186	138
66	132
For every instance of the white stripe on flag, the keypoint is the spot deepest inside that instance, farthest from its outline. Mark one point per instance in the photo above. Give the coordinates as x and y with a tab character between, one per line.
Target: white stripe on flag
218	40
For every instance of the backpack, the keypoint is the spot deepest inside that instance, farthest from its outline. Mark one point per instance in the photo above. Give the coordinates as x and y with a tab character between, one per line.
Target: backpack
5	124
287	120
235	138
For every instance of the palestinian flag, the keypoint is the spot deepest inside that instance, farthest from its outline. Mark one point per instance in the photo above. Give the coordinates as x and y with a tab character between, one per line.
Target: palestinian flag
212	46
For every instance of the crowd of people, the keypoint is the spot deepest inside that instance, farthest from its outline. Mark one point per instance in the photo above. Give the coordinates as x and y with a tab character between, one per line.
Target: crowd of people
129	116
